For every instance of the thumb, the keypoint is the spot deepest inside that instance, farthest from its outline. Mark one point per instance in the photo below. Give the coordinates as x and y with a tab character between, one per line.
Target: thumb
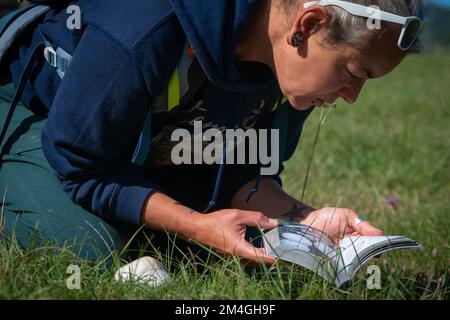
364	228
369	230
254	219
248	251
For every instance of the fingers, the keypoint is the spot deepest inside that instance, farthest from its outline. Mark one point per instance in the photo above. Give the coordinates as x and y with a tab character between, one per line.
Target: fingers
369	230
364	228
254	218
252	253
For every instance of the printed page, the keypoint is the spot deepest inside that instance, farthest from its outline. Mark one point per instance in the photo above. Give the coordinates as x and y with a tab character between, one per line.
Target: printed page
352	247
357	250
306	238
302	245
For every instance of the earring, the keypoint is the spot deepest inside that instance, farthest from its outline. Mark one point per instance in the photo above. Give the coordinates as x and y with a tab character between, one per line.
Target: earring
297	39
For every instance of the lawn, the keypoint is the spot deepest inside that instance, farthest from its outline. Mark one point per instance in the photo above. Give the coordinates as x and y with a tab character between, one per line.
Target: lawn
386	157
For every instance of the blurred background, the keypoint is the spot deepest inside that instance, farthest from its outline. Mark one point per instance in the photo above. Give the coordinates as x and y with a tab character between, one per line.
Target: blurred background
437	31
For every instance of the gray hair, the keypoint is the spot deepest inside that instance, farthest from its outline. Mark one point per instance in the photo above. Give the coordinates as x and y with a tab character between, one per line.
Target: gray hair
347	28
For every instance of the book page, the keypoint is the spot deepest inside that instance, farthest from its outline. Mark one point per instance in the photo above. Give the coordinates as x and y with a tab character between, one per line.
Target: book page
302	245
356	250
306	238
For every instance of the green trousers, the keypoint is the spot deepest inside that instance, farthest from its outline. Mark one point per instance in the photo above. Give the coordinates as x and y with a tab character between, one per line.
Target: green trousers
35	208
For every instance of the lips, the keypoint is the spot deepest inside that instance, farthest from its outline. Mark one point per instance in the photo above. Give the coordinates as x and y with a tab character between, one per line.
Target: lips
318	102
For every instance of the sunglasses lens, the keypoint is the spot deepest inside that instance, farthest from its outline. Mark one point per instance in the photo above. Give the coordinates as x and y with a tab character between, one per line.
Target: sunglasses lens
411	33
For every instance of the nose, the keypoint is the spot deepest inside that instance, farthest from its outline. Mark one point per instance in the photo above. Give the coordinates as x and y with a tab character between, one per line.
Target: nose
351	92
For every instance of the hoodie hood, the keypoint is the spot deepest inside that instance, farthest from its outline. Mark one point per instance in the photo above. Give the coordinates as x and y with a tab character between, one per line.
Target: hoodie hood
213	28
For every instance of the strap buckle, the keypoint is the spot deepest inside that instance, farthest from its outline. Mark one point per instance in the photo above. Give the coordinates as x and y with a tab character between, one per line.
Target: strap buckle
51	56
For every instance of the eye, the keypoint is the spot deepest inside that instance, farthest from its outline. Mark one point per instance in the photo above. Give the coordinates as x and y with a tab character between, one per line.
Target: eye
352	74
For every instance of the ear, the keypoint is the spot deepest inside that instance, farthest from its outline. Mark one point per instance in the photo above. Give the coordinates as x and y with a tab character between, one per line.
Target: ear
308	21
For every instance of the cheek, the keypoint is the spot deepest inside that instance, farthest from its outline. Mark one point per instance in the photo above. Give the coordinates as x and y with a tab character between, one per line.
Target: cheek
290	71
289	76
314	83
299	78
328	83
328	77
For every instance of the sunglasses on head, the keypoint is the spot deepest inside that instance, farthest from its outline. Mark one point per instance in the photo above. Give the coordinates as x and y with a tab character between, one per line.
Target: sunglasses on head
412	26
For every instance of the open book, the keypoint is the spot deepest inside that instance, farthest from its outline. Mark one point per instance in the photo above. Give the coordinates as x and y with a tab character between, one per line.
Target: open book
312	249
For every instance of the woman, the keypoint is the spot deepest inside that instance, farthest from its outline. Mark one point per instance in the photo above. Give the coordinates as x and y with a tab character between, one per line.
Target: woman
85	125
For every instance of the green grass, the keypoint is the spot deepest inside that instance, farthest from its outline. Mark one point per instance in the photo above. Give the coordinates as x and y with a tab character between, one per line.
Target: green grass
393	143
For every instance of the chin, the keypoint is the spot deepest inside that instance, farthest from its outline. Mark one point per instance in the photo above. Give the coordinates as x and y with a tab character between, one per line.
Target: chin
303	108
299	102
300	105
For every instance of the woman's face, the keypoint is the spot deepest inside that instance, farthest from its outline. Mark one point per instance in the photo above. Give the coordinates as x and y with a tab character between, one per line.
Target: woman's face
316	72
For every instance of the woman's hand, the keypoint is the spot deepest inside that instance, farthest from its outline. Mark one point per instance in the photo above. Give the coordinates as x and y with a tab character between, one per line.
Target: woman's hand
225	230
339	222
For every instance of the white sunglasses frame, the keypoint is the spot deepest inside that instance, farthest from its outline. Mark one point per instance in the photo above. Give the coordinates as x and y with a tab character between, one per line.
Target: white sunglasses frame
369	12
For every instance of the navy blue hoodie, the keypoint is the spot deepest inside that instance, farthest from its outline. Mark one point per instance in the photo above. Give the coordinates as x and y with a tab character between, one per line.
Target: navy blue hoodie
123	58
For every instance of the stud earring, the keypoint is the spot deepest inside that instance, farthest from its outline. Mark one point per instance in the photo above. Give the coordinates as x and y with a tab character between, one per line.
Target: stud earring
297	39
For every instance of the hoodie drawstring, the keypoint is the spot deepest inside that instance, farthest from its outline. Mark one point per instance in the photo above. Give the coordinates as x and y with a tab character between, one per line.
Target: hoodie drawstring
212	203
255	187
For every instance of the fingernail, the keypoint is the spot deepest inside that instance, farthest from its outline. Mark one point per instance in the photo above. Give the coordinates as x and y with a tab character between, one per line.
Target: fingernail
273	221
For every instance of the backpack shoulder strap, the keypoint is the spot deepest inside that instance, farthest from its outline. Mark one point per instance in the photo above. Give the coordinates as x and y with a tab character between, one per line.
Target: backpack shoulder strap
16	22
10	17
12	26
